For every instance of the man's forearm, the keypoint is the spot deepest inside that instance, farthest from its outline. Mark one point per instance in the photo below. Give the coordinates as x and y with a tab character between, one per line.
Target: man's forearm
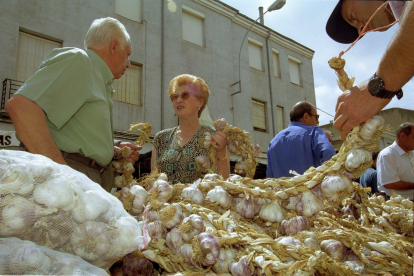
400	185
30	124
397	64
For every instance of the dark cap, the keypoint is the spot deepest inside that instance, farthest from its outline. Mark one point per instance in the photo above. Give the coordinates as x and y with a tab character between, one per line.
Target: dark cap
338	29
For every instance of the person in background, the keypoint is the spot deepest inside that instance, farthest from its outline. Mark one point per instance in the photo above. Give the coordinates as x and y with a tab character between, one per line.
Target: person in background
64	111
395	69
301	145
369	178
395	164
176	149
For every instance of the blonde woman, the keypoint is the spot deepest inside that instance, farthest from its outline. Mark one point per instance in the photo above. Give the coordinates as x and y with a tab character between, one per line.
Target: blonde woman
176	149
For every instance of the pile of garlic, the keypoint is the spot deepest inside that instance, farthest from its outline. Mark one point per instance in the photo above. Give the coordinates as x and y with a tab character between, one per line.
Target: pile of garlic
18	257
316	223
62	209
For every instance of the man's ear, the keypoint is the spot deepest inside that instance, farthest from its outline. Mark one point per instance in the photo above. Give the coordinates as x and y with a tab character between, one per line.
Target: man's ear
114	43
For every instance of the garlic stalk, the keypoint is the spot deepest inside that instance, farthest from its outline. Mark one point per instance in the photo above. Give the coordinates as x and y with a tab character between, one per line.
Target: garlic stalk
191	226
16	180
332	185
248	208
29	259
295	225
156	230
138	203
309	204
357	157
220	196
193	194
240	268
171	215
55	192
272	212
174	240
222	264
335	249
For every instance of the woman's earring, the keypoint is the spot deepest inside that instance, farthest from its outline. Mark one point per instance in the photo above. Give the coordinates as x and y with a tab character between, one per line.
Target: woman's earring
199	107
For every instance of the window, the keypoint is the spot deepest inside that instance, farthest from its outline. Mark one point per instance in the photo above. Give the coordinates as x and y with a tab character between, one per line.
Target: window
276	70
31	52
128	87
255	54
259	115
280	119
193	26
294	69
130	9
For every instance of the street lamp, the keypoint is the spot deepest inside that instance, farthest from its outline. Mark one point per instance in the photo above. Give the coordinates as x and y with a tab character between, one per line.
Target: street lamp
277	5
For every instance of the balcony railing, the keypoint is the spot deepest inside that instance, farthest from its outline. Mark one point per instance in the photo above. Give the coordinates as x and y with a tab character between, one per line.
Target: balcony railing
9	88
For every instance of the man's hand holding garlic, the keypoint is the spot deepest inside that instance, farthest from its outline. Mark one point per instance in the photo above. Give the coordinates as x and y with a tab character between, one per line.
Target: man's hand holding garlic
128	151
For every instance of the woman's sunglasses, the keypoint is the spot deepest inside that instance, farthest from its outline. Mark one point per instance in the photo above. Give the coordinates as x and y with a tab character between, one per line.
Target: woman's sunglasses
184	96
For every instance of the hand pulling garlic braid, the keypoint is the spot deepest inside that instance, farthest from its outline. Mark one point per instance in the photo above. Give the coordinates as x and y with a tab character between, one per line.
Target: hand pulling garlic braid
344	82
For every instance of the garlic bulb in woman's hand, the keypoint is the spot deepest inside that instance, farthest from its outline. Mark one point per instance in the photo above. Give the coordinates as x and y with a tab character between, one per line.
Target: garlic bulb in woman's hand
207	140
192	193
220	124
272	212
171	215
220	196
191	226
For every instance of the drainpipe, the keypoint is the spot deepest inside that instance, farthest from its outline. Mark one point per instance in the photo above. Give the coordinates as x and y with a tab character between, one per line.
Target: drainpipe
270	84
261	15
162	65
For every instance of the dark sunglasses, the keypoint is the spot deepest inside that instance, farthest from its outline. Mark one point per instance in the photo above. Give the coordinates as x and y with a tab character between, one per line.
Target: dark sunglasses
317	116
184	96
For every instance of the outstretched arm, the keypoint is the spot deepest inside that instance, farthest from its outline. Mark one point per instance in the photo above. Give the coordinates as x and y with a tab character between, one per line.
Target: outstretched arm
396	68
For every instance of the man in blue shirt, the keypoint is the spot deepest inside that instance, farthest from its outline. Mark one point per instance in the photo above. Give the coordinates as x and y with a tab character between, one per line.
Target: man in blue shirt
299	146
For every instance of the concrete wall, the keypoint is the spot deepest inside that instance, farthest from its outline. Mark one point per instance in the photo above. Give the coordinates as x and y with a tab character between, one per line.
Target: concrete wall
216	62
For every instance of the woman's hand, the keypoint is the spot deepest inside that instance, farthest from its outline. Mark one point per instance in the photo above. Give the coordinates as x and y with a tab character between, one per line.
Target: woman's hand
219	142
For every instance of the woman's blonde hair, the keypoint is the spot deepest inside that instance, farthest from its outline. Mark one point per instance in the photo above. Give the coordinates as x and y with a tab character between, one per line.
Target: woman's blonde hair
204	92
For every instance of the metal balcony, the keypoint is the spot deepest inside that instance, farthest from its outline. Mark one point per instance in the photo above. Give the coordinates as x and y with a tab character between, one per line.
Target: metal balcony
9	88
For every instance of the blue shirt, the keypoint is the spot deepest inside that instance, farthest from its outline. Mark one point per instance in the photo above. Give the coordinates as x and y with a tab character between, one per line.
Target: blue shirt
297	148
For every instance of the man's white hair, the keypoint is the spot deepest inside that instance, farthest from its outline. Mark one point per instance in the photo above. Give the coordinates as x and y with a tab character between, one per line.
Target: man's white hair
104	30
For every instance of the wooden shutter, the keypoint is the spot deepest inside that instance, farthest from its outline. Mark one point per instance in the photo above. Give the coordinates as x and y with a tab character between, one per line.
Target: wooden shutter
193	29
128	87
280	119
259	115
294	70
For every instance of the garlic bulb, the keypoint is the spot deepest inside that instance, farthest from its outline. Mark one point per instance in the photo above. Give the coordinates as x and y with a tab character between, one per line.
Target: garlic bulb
156	230
207	140
295	225
222	264
408	204
192	193
203	163
117	166
293	202
165	190
370	127
174	241
311	242
212	177
153	216
186	251
240	268
128	167
29	259
231	146
356	266
272	212
334	184
90	240
220	124
220	196
55	192
16	180
118	181
309	204
139	203
256	150
335	249
234	177
89	205
209	247
150	255
289	241
241	167
248	208
171	215
191	226
351	256
357	157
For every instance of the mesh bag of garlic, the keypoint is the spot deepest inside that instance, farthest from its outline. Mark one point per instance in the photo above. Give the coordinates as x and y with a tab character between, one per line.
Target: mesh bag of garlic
55	206
318	223
19	257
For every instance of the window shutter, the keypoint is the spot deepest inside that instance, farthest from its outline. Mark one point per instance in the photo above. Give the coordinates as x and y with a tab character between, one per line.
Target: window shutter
280	119
259	115
193	29
255	56
128	87
276	64
130	9
294	71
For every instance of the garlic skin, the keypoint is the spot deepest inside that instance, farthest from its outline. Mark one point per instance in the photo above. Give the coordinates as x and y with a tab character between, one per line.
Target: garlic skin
193	194
334	184
28	258
153	216
150	255
289	241
210	248
220	124
156	230
295	225
272	212
171	215
207	140
191	226
118	181
240	268
293	202
222	264
408	204
55	192
355	158
309	204
89	205
174	241
16	180
142	194
231	146
256	150
335	249
220	196
212	177
165	190
248	208
356	266
370	127
203	163
186	251
241	167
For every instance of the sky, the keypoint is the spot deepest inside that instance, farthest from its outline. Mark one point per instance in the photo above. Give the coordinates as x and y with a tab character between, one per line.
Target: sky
304	21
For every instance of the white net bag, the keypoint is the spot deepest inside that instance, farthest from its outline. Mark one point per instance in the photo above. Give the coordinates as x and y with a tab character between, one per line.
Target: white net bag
62	209
18	257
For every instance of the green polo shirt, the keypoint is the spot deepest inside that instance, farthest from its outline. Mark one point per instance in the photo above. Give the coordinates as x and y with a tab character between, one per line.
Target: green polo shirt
74	89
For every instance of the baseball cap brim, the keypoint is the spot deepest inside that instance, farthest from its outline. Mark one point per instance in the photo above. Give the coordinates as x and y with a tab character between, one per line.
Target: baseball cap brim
338	29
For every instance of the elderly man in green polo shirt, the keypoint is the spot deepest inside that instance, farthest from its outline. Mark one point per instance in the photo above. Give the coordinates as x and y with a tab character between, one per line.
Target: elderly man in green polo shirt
64	111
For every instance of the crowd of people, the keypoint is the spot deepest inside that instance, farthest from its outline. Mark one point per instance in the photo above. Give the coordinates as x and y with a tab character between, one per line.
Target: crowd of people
64	111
